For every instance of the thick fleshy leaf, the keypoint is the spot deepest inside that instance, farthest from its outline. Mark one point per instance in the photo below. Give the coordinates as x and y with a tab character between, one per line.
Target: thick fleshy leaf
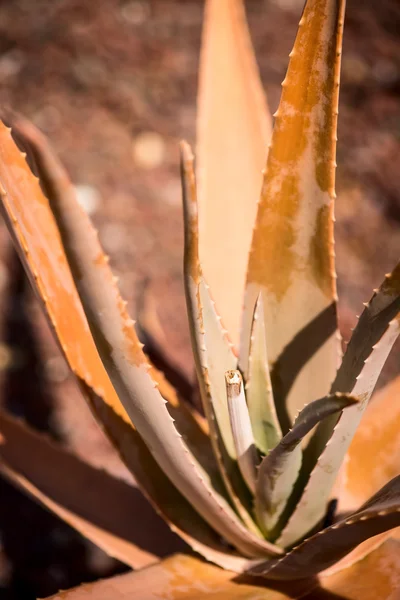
109	323
183	578
233	131
291	259
377	575
85	497
259	394
371	342
279	470
213	352
317	553
122	356
374	454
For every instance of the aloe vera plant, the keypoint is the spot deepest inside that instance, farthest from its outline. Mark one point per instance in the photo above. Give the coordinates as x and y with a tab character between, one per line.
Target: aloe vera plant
249	487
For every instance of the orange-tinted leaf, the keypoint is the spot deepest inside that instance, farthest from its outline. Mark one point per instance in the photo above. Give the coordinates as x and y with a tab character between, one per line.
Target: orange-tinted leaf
121	353
183	578
374	454
92	501
38	238
291	258
233	130
377	575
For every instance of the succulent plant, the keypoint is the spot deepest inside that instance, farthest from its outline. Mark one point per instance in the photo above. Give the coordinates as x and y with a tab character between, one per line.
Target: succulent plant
250	487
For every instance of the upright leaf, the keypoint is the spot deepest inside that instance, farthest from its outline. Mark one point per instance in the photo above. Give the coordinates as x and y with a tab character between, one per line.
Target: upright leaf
213	351
291	258
259	393
233	131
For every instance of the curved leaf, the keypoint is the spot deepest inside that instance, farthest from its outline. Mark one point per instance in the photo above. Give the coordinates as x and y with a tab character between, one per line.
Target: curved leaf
39	238
371	342
92	501
233	131
279	470
377	575
182	577
379	514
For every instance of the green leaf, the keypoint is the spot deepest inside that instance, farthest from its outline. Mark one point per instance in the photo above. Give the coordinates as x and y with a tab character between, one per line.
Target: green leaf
379	514
279	470
259	394
371	342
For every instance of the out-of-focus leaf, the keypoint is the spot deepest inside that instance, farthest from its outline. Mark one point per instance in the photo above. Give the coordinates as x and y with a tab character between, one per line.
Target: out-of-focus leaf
280	468
186	578
374	454
182	578
377	575
38	237
233	131
317	553
291	258
92	501
213	352
259	394
366	353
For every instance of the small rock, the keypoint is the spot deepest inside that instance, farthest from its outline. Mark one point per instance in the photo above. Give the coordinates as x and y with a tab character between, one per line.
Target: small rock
88	197
148	150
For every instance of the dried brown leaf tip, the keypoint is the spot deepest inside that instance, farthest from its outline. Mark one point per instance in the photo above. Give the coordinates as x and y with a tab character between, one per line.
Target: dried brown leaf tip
249	488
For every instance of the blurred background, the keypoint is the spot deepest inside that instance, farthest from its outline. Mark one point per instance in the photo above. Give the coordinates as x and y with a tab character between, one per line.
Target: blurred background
113	85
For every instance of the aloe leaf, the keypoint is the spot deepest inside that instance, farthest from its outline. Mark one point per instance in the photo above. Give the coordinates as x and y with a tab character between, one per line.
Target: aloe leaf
375	575
77	343
373	456
366	353
54	180
182	577
84	497
213	352
246	451
233	131
379	514
291	259
122	356
259	394
279	470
